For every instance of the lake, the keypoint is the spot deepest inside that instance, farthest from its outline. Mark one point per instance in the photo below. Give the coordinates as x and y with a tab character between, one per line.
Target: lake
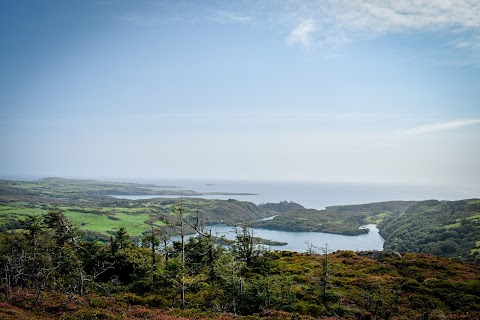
300	241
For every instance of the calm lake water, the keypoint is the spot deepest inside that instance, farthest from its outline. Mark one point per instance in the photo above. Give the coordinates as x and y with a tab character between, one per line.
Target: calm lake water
301	241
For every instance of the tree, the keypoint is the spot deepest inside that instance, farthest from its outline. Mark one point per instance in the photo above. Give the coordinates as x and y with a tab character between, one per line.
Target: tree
62	231
206	250
327	297
228	269
13	260
70	273
44	257
179	211
245	247
33	225
164	237
152	242
120	240
130	262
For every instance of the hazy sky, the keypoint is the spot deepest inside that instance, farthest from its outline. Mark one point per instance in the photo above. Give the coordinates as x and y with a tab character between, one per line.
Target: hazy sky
324	90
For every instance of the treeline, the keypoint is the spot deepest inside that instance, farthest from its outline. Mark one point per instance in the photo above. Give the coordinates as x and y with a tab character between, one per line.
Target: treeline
442	228
49	258
50	255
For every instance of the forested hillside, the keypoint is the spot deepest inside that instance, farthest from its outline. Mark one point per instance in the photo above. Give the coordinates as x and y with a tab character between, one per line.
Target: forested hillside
49	271
282	207
443	228
345	220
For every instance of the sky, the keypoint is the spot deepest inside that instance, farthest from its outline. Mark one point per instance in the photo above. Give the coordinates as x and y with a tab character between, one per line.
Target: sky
367	91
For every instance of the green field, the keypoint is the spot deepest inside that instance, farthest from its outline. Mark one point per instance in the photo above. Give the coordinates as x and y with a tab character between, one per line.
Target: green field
18	211
376	219
135	223
452	225
87	204
103	220
473	218
477	247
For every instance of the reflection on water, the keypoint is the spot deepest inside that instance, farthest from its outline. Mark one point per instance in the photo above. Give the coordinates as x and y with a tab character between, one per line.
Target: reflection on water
301	241
268	218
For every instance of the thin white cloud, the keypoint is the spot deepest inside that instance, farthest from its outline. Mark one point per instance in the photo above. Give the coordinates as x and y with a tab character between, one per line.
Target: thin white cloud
380	16
231	17
302	33
336	23
339	22
442	126
467	43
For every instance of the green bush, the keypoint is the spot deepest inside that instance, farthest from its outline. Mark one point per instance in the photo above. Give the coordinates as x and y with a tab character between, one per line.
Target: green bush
411	285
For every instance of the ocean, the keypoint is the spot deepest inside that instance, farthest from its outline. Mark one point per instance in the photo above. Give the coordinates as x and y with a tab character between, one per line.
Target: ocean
316	195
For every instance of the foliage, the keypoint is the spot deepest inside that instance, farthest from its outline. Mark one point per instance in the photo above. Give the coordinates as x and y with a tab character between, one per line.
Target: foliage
282	207
282	285
443	228
344	220
50	270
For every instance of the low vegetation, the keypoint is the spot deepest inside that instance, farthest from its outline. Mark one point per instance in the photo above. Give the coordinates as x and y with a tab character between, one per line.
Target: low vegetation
49	271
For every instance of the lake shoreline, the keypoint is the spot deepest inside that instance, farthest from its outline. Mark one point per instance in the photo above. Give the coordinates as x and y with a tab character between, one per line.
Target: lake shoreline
304	241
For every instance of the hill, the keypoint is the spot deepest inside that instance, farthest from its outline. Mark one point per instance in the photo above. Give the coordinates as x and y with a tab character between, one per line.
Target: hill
87	204
74	189
282	206
443	228
344	220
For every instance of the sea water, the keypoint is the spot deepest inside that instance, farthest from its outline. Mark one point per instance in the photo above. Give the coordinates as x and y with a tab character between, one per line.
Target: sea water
314	195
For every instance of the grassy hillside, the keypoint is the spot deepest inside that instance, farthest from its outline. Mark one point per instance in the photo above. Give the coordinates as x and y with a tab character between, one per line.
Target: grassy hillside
85	203
101	218
75	189
444	228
